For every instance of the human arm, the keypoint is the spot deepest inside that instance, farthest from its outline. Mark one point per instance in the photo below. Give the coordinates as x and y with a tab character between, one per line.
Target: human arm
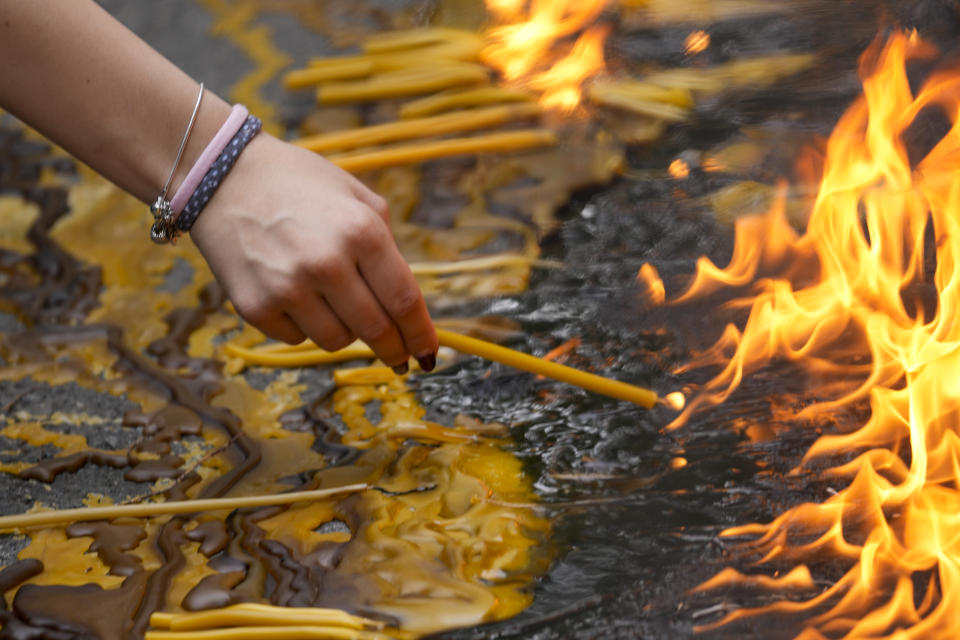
301	247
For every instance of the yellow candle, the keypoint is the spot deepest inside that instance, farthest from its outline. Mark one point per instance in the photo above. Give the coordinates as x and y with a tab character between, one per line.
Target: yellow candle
423	127
421	152
304	355
345	68
405	82
393	41
457	99
260	615
147	510
671	104
364	375
553	370
268	633
322	70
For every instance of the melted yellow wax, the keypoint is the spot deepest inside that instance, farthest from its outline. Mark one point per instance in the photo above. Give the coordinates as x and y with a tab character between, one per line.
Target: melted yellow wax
67	561
132	267
33	433
464	545
234	20
17	217
451	547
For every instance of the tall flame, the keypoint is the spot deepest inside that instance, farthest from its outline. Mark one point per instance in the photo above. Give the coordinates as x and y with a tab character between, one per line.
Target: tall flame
882	228
526	46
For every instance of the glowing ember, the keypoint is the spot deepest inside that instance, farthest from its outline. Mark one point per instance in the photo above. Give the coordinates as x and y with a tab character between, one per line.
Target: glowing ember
528	46
696	42
678	169
848	291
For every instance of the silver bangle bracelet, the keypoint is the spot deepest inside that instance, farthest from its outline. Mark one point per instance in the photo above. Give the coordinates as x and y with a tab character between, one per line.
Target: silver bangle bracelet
164	229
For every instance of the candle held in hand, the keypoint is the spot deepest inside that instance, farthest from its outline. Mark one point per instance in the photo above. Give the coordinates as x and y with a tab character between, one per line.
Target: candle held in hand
589	381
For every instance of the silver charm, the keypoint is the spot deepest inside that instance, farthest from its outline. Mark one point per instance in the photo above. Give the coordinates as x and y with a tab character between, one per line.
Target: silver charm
163	230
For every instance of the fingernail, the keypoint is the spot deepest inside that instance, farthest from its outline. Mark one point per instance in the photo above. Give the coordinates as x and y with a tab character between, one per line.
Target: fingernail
401	369
428	362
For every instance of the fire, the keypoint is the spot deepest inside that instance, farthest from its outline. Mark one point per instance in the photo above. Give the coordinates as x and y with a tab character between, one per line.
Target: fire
675	400
696	42
883	228
529	46
678	169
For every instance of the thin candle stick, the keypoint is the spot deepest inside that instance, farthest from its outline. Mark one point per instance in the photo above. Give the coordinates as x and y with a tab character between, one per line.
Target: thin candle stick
268	633
64	516
421	152
404	82
458	99
454	122
354	67
345	69
297	356
363	375
591	382
260	615
671	104
411	39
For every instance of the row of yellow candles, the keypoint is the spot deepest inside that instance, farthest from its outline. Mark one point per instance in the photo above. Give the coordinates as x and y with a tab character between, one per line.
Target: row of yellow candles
439	125
410	63
429	60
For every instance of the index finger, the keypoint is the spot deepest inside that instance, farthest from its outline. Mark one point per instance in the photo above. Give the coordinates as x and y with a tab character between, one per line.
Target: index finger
389	277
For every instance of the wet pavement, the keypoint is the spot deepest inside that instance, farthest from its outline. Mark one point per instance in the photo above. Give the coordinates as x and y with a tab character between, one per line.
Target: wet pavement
633	533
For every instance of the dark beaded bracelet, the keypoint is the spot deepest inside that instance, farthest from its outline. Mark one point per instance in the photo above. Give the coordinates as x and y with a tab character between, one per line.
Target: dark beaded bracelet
217	172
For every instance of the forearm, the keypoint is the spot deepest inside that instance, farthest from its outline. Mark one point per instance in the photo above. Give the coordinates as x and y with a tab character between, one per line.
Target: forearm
85	81
301	247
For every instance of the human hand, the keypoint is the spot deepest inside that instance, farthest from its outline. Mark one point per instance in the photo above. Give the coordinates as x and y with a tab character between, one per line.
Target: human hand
304	249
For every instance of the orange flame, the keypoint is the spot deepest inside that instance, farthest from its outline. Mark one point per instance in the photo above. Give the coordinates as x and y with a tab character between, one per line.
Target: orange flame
845	287
696	42
678	169
524	48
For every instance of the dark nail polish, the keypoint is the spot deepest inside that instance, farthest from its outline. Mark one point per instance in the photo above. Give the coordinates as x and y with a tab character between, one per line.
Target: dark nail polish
401	369
428	362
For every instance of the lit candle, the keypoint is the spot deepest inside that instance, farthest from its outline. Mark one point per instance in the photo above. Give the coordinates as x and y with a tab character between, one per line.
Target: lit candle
553	370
